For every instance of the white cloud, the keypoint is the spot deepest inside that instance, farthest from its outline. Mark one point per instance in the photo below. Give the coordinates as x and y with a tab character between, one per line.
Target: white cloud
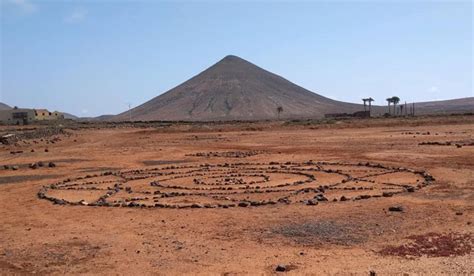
76	16
24	5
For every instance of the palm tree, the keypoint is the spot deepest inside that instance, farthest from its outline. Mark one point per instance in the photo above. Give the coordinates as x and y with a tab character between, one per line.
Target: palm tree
389	101
370	100
279	110
395	101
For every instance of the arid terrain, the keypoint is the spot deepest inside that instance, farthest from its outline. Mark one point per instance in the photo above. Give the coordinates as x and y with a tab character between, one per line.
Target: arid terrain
383	197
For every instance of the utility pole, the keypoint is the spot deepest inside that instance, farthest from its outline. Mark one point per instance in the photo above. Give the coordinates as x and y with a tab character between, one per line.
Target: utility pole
130	111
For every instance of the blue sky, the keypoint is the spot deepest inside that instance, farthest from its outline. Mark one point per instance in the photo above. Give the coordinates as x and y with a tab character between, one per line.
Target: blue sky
94	57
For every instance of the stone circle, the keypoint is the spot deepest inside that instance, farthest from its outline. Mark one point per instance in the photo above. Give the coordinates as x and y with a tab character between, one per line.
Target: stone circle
244	184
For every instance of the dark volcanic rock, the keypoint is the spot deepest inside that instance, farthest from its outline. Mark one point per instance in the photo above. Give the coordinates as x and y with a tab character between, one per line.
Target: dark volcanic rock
397	208
311	202
243	204
281	268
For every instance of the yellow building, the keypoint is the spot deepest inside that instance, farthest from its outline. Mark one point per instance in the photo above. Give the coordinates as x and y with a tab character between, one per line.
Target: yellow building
45	115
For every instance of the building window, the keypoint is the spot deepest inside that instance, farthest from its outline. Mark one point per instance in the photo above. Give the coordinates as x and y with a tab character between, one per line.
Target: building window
20	115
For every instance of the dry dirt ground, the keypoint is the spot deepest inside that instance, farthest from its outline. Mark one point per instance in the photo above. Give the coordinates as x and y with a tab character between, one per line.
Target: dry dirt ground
187	202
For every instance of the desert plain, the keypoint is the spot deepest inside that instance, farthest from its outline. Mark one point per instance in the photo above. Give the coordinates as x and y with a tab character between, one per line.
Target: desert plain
388	196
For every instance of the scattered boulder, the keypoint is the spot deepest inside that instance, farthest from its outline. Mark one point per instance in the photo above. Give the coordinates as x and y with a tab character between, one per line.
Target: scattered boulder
8	139
51	164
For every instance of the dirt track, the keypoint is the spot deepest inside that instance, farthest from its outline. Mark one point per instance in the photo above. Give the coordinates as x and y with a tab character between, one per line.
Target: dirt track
343	237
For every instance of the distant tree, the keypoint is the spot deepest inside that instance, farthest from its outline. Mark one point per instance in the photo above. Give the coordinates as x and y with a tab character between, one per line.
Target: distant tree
370	100
395	101
389	101
370	105
279	110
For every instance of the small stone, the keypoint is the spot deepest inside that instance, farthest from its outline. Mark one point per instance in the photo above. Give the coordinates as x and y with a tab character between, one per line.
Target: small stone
59	201
410	189
33	166
40	164
459	213
372	273
46	150
320	197
395	208
15	168
132	204
281	268
243	204
311	202
51	165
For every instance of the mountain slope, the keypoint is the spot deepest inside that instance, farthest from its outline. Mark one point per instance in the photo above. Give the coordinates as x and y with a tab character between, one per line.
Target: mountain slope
235	89
463	105
70	116
4	106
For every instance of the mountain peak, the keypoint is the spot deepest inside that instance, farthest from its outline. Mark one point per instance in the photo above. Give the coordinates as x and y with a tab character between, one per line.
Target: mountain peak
232	58
235	89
